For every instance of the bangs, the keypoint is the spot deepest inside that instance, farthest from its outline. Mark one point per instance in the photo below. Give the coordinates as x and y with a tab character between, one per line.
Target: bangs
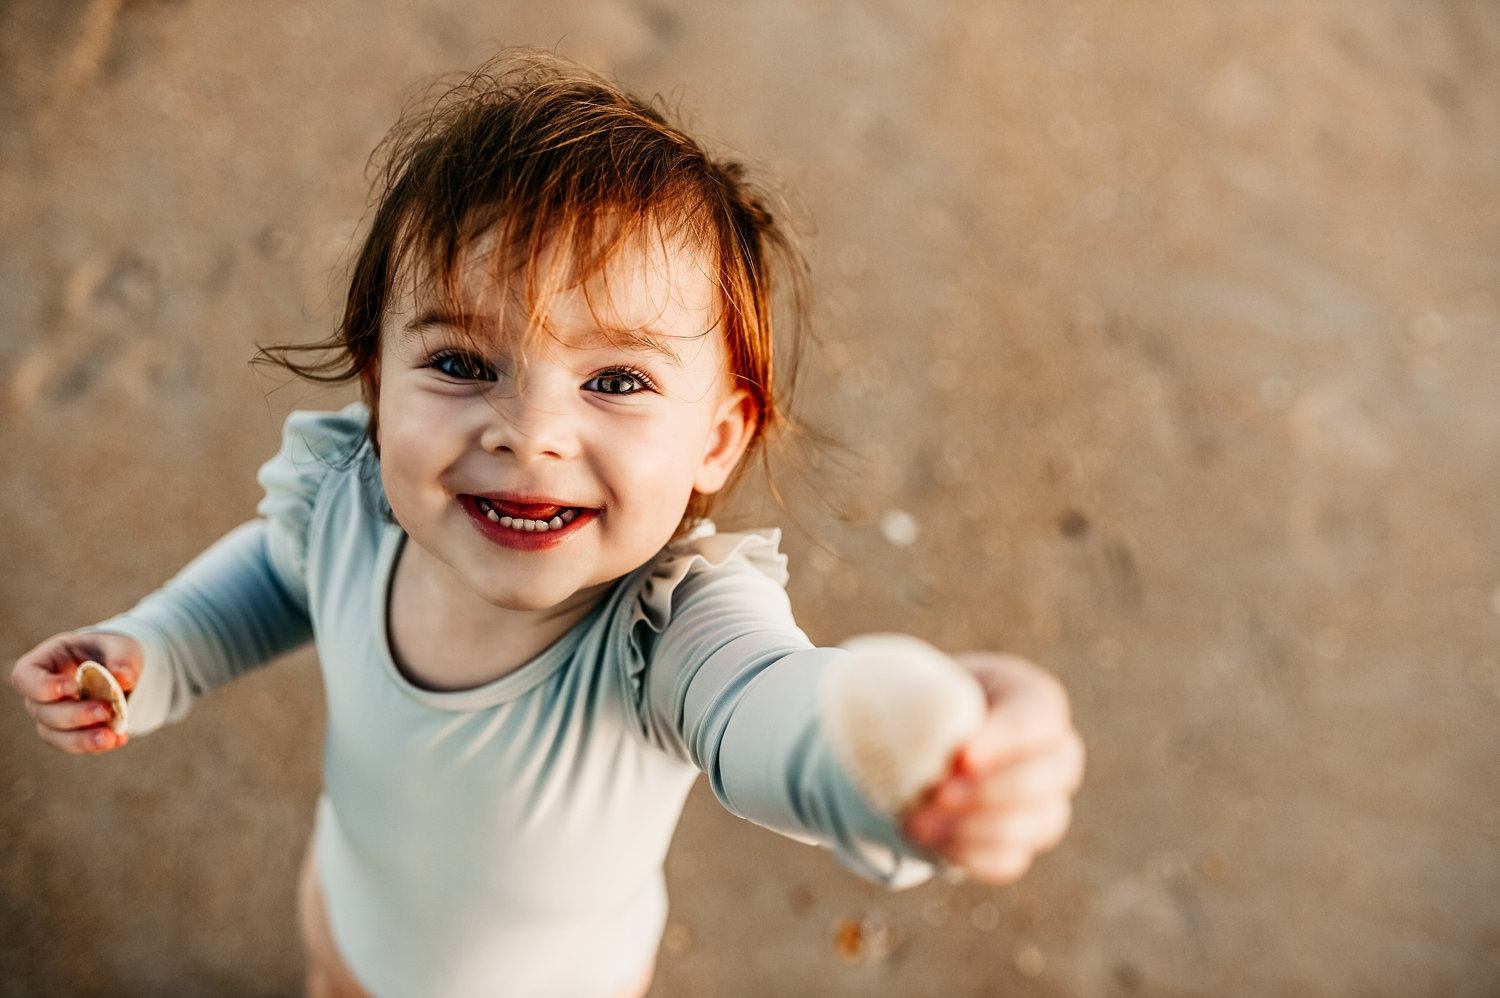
493	274
555	174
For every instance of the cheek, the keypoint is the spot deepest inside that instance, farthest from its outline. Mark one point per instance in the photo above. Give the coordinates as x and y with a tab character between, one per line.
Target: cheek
662	468
635	460
408	451
411	487
405	417
395	478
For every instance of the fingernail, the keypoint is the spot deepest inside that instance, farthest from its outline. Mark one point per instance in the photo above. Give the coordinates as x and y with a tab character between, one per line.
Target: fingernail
101	738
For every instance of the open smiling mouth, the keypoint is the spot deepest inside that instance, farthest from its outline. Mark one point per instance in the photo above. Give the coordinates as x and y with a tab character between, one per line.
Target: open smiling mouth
535	518
517	521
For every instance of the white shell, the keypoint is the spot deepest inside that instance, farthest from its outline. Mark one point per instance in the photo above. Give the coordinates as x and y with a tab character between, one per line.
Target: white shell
95	682
896	711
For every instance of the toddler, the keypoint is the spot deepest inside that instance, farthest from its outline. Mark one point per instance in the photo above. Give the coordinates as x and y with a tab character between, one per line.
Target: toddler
532	639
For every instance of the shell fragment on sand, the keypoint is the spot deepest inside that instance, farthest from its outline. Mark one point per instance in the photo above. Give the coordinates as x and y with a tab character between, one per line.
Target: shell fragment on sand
896	711
95	682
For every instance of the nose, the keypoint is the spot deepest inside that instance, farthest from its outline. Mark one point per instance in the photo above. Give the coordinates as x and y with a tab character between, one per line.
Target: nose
531	424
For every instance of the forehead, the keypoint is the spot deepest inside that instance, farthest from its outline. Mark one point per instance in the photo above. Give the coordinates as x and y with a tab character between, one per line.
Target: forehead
651	283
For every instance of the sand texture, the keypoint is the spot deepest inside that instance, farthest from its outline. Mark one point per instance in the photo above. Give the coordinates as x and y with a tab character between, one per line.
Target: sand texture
1163	343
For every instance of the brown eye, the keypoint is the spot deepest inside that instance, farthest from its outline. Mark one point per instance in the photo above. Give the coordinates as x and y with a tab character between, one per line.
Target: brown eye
618	383
462	367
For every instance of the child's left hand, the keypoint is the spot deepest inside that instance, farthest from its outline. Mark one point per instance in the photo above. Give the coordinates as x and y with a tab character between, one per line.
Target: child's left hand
1009	797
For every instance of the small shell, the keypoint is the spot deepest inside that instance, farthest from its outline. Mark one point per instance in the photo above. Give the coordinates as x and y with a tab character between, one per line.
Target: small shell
95	682
896	711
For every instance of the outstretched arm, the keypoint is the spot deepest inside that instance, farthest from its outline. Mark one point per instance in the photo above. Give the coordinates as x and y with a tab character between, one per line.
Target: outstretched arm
891	760
732	687
227	612
236	606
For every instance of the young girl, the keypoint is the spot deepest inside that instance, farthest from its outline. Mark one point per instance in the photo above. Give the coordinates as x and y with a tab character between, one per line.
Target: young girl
532	639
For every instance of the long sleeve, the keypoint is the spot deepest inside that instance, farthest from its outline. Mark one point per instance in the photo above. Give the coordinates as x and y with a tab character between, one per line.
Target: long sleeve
224	614
244	601
731	685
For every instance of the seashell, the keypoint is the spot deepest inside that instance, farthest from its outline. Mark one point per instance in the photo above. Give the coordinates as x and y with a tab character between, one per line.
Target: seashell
896	711
95	682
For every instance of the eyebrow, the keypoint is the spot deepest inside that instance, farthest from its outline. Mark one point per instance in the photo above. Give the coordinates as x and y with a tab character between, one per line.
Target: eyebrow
440	317
645	340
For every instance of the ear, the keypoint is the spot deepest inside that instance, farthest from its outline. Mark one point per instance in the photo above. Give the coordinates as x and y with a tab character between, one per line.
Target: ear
733	429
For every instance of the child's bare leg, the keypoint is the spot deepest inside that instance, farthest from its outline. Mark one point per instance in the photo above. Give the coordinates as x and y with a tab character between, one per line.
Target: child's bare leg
327	974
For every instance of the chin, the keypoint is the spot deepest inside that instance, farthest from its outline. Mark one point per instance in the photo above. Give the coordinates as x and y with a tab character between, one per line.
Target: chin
530	600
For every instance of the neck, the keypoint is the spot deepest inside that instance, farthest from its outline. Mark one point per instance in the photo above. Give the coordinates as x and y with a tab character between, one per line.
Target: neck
444	636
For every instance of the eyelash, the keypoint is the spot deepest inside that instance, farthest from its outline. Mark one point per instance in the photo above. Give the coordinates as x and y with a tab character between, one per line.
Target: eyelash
639	376
476	369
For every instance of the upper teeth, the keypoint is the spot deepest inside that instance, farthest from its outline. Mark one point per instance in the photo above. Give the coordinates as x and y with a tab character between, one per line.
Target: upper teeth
559	521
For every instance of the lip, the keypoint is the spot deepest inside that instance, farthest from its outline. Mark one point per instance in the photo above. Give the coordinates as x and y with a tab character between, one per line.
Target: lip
521	540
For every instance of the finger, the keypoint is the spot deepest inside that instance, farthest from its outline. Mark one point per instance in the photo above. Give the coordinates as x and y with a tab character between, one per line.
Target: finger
36	682
46	673
930	819
1000	867
33	669
1013	735
929	830
956	794
69	715
85	741
1033	829
996	863
1055	771
120	654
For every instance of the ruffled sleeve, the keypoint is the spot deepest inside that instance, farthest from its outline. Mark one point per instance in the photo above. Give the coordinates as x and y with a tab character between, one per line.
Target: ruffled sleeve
313	445
703	549
724	678
751	561
244	601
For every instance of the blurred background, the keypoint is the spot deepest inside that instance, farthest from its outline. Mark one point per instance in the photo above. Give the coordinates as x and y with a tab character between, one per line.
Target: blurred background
1163	343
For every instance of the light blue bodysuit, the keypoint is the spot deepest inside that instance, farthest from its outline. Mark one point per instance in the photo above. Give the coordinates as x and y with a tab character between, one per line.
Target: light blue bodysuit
509	839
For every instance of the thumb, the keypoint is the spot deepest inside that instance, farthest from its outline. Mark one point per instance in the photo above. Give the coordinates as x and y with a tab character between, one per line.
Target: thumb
121	654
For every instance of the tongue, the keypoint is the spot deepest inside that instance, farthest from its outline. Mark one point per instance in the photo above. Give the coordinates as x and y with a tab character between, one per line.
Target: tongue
526	510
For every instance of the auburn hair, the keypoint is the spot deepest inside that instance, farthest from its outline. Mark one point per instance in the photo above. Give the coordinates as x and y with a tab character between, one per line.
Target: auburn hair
539	154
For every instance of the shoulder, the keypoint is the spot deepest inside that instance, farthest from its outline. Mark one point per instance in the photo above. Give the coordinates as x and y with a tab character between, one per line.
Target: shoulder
701	592
313	445
325	437
748	561
323	456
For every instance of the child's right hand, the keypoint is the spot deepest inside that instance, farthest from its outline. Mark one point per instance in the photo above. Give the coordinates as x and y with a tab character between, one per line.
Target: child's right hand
45	675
